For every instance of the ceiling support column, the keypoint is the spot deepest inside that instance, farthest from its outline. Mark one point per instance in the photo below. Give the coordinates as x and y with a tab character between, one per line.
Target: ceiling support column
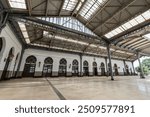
18	73
106	67
140	65
133	68
125	71
109	57
81	74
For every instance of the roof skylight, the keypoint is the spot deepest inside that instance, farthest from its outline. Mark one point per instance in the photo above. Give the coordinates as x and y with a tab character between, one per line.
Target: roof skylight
18	4
131	23
68	22
24	32
69	5
147	36
90	7
80	4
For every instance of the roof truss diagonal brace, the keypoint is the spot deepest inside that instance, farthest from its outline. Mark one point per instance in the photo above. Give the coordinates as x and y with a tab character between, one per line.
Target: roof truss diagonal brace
47	25
3	20
119	11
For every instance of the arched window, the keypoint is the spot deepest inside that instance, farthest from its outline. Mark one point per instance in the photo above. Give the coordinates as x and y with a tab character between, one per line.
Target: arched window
47	67
116	70
95	73
103	69
7	63
85	68
75	68
29	68
62	67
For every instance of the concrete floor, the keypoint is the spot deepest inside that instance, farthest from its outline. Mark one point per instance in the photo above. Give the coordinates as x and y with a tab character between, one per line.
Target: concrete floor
85	88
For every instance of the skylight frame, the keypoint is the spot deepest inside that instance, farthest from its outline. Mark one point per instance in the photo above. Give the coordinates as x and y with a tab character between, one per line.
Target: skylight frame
69	5
24	32
19	4
90	8
131	23
70	23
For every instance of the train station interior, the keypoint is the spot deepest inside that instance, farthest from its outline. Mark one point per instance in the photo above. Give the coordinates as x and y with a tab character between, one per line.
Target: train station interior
74	49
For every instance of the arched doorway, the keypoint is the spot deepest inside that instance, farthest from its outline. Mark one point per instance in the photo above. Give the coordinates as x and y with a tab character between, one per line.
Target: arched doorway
7	64
75	68
103	69
29	68
47	67
85	68
62	67
127	70
95	73
116	70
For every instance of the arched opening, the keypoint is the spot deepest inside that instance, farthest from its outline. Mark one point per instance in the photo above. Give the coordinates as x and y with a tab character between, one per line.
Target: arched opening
7	64
48	67
127	70
29	68
75	68
103	69
62	67
116	70
16	60
85	68
95	73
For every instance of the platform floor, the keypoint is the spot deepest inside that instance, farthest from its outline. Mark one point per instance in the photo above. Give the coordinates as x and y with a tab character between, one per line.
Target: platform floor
85	88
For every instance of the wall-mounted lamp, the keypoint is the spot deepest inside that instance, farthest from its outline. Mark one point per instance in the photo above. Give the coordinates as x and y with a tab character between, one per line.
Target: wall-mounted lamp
99	67
39	64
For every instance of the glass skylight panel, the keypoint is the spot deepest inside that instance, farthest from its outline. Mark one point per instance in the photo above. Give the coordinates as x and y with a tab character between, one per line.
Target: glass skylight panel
140	19
69	4
24	32
131	23
17	4
90	7
127	25
147	36
146	15
68	22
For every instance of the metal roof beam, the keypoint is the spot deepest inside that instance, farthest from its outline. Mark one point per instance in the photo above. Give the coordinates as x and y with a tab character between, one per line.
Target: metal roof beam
123	7
59	13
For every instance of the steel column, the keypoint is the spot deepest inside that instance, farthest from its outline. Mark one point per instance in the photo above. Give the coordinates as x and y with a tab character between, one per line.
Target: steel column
80	65
140	65
109	57
106	67
133	68
124	67
19	64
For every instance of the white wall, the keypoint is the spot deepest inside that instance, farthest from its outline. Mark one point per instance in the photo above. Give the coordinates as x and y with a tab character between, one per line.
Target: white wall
130	66
120	65
57	56
41	55
10	40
